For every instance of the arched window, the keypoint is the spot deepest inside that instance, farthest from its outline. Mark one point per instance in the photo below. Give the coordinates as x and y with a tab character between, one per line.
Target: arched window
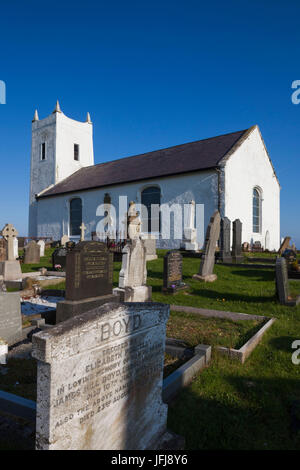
75	216
256	211
151	199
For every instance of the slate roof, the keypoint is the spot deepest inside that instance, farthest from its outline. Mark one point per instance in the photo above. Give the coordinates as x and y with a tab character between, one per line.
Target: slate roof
184	158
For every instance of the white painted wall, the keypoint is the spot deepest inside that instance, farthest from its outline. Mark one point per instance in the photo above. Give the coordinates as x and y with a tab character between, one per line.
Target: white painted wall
248	167
53	212
60	133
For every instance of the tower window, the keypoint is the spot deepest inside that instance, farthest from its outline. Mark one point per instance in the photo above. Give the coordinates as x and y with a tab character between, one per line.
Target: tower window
43	151
76	152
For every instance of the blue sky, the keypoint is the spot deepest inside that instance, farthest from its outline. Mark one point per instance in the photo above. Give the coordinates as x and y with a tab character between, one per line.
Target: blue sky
152	74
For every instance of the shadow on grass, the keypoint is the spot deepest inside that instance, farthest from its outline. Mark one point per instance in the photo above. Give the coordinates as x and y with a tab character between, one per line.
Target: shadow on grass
263	275
283	343
231	296
259	415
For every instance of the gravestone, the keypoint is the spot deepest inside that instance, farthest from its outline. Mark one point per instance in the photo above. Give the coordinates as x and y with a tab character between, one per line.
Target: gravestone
10	317
3	249
89	278
16	248
150	245
225	230
99	380
173	273
282	284
237	255
245	247
32	253
284	245
133	274
208	258
64	239
10	268
190	233
257	247
59	258
41	244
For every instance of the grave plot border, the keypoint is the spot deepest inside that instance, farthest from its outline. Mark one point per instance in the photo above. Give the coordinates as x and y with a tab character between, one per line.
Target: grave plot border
244	352
183	376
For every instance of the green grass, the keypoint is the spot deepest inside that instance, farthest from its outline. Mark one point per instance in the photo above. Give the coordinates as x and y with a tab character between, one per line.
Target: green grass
230	405
194	329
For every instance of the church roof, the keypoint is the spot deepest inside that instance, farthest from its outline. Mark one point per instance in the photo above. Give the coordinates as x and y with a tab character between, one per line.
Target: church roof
193	156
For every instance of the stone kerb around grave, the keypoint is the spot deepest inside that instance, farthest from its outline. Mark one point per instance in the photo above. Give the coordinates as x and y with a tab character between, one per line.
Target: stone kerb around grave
99	383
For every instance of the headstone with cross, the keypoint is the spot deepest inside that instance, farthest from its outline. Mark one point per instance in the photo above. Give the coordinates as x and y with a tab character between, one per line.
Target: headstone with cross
9	233
10	268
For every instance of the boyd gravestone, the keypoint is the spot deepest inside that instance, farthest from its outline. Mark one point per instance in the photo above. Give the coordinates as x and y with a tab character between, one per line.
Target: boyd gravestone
208	258
133	274
173	273
99	380
89	277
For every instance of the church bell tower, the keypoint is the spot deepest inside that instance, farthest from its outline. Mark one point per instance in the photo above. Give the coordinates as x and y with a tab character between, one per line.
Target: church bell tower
59	147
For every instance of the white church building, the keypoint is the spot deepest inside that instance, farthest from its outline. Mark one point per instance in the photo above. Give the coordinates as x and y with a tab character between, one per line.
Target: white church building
232	173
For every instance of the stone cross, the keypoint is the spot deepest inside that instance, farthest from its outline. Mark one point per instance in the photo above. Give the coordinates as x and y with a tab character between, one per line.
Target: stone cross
9	233
82	228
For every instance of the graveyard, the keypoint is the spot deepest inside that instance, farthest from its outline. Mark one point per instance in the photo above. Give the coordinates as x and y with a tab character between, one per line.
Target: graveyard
228	404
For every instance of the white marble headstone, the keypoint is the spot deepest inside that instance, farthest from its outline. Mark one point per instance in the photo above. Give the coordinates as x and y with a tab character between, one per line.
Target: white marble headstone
99	382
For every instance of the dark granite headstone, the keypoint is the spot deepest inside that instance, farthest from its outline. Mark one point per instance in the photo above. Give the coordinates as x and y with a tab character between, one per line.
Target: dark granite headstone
225	254
89	279
237	254
59	258
173	272
89	271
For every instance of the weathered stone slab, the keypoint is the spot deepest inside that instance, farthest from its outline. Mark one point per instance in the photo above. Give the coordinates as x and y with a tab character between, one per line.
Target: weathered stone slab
284	244
208	258
237	255
100	378
10	317
225	229
32	253
282	283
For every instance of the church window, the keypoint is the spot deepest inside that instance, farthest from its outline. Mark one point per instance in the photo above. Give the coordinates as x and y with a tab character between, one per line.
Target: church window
76	152
151	200
256	211
75	216
43	151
